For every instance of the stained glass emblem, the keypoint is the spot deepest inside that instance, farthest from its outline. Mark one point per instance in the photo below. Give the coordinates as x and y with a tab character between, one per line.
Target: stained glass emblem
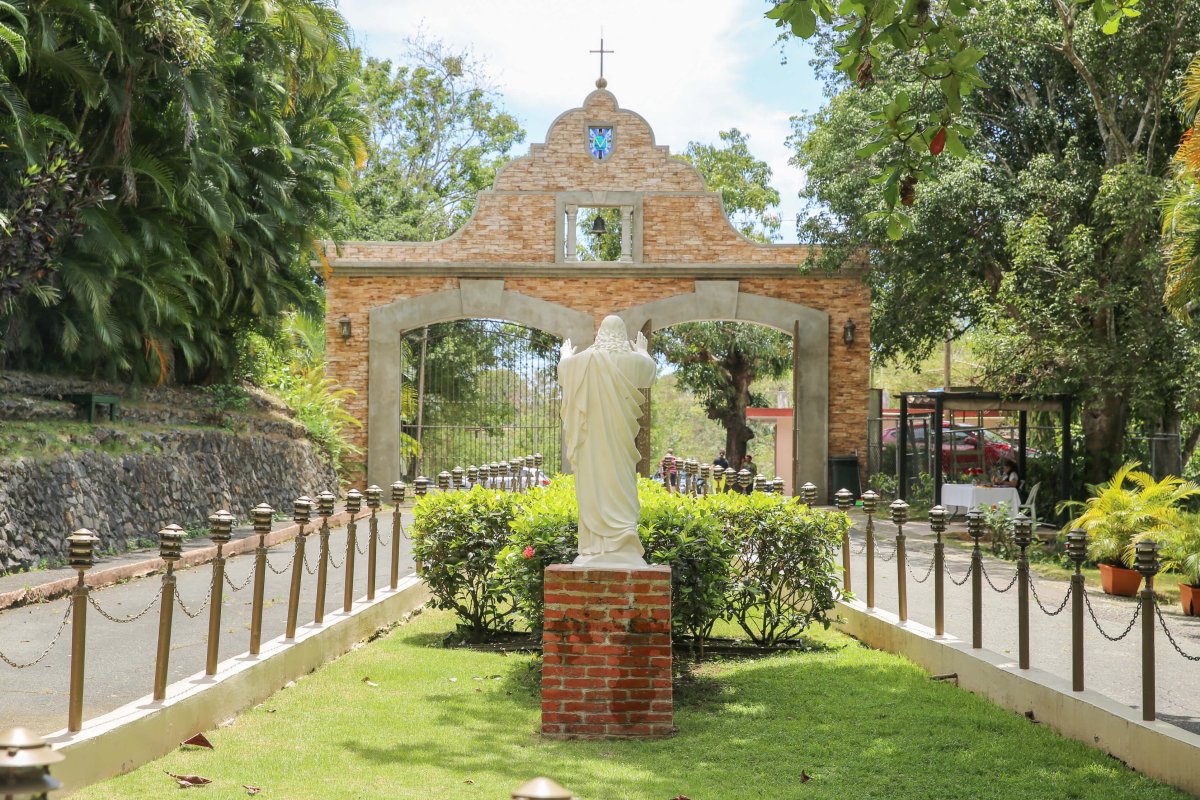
600	140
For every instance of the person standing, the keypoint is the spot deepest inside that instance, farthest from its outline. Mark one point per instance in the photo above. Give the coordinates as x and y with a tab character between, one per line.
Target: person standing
670	471
749	465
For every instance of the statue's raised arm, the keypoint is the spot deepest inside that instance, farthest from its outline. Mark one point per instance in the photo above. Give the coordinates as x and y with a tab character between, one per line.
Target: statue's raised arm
601	409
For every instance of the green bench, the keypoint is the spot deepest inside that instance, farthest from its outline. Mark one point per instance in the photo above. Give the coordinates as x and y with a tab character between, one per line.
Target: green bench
89	401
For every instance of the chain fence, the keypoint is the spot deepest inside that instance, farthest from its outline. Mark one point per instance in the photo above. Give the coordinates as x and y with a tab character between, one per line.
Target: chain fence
884	557
308	568
1170	638
1137	610
187	611
333	562
965	578
928	572
988	578
62	625
287	565
123	620
1038	600
360	544
242	585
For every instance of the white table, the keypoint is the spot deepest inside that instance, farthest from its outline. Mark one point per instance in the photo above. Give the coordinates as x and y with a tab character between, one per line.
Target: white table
965	496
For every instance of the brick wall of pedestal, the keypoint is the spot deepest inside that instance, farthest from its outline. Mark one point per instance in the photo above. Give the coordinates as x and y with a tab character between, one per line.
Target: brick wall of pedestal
606	669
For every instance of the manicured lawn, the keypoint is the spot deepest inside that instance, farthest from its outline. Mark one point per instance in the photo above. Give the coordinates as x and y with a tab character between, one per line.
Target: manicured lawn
456	724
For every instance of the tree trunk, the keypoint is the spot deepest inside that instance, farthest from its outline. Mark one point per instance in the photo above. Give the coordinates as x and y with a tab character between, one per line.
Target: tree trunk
1103	437
1166	456
737	430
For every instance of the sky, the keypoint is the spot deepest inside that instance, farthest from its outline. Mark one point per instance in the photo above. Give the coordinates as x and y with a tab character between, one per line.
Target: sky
692	68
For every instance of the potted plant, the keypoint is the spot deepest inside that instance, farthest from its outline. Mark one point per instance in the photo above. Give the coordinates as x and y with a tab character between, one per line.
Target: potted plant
1180	553
1131	504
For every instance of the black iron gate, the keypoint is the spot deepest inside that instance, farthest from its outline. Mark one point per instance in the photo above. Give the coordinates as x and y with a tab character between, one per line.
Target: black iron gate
479	391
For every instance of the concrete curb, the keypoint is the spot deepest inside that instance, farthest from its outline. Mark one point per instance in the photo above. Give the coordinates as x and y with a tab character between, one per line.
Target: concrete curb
139	732
1158	749
123	572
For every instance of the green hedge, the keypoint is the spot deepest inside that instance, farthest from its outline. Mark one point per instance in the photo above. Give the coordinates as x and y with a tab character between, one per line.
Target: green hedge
760	560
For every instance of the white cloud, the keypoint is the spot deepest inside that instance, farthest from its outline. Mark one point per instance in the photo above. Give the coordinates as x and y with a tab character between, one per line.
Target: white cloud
690	67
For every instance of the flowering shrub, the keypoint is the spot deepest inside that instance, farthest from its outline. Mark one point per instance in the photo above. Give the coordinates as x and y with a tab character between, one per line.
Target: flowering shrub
761	560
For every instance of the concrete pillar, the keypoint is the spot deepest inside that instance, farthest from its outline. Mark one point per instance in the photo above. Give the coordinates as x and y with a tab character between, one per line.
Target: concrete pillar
572	221
627	233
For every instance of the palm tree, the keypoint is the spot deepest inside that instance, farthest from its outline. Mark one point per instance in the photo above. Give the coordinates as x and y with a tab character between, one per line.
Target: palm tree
1131	505
1181	217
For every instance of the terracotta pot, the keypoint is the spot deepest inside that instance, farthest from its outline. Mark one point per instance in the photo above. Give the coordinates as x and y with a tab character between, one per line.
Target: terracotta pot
1189	597
1120	581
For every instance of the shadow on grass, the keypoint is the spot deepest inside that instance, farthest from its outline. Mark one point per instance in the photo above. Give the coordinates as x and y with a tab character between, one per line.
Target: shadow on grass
862	724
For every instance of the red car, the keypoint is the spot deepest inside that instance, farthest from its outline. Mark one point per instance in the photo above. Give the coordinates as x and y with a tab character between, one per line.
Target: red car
960	447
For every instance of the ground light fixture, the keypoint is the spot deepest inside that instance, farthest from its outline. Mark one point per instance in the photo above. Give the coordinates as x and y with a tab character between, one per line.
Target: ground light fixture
542	789
25	760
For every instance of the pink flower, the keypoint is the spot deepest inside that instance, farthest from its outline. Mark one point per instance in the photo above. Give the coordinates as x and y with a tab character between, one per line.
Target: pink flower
528	551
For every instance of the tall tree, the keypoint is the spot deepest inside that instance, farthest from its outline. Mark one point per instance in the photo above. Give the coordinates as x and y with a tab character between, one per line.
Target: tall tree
1047	239
224	129
438	136
719	362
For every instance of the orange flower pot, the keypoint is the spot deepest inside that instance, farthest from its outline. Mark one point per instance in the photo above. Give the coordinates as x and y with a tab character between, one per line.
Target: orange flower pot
1189	597
1120	581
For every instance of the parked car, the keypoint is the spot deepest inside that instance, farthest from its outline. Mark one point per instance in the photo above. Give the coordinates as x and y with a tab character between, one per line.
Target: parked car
961	447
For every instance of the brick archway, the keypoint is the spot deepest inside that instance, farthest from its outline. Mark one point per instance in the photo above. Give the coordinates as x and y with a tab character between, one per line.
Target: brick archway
681	261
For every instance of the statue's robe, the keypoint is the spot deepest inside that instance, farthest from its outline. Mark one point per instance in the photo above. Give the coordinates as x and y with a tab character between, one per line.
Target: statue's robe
601	407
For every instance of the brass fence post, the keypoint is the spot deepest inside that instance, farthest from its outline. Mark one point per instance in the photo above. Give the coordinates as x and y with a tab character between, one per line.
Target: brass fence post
398	492
262	527
472	475
354	500
1077	550
443	481
458	478
170	548
301	515
220	530
899	510
82	544
325	501
975	531
1023	537
1146	562
845	500
706	478
937	523
869	501
374	501
808	494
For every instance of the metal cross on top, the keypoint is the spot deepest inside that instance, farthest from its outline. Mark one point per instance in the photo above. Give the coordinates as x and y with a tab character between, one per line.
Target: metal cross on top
601	51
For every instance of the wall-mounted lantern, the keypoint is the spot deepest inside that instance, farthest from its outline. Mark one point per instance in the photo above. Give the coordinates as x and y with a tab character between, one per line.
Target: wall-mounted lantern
848	332
344	327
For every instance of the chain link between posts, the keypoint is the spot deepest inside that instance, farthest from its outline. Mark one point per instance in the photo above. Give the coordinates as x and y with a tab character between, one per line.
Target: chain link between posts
286	566
988	578
965	578
881	555
1170	638
1038	600
307	568
360	544
928	572
123	620
57	635
193	614
1137	610
333	561
242	585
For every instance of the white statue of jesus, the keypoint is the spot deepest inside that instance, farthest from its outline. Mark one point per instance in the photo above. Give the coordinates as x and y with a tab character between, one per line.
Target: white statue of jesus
602	402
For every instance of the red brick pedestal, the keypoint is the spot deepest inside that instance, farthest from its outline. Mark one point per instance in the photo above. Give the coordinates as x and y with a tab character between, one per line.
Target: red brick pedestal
606	669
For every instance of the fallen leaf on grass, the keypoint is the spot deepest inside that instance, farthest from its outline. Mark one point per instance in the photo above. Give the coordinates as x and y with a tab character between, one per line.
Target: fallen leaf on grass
468	781
367	680
199	740
805	777
188	781
681	797
251	789
454	680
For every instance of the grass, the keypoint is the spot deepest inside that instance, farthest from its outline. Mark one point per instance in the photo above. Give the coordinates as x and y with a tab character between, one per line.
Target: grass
437	723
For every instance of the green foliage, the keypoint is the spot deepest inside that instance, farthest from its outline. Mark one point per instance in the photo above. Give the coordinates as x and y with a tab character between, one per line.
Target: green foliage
438	136
743	181
934	48
1129	506
999	522
1181	206
227	131
718	363
786	574
760	560
457	538
1045	241
1181	548
225	400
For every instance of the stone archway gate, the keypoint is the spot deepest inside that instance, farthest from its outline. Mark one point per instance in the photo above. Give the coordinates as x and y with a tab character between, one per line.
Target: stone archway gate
682	261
